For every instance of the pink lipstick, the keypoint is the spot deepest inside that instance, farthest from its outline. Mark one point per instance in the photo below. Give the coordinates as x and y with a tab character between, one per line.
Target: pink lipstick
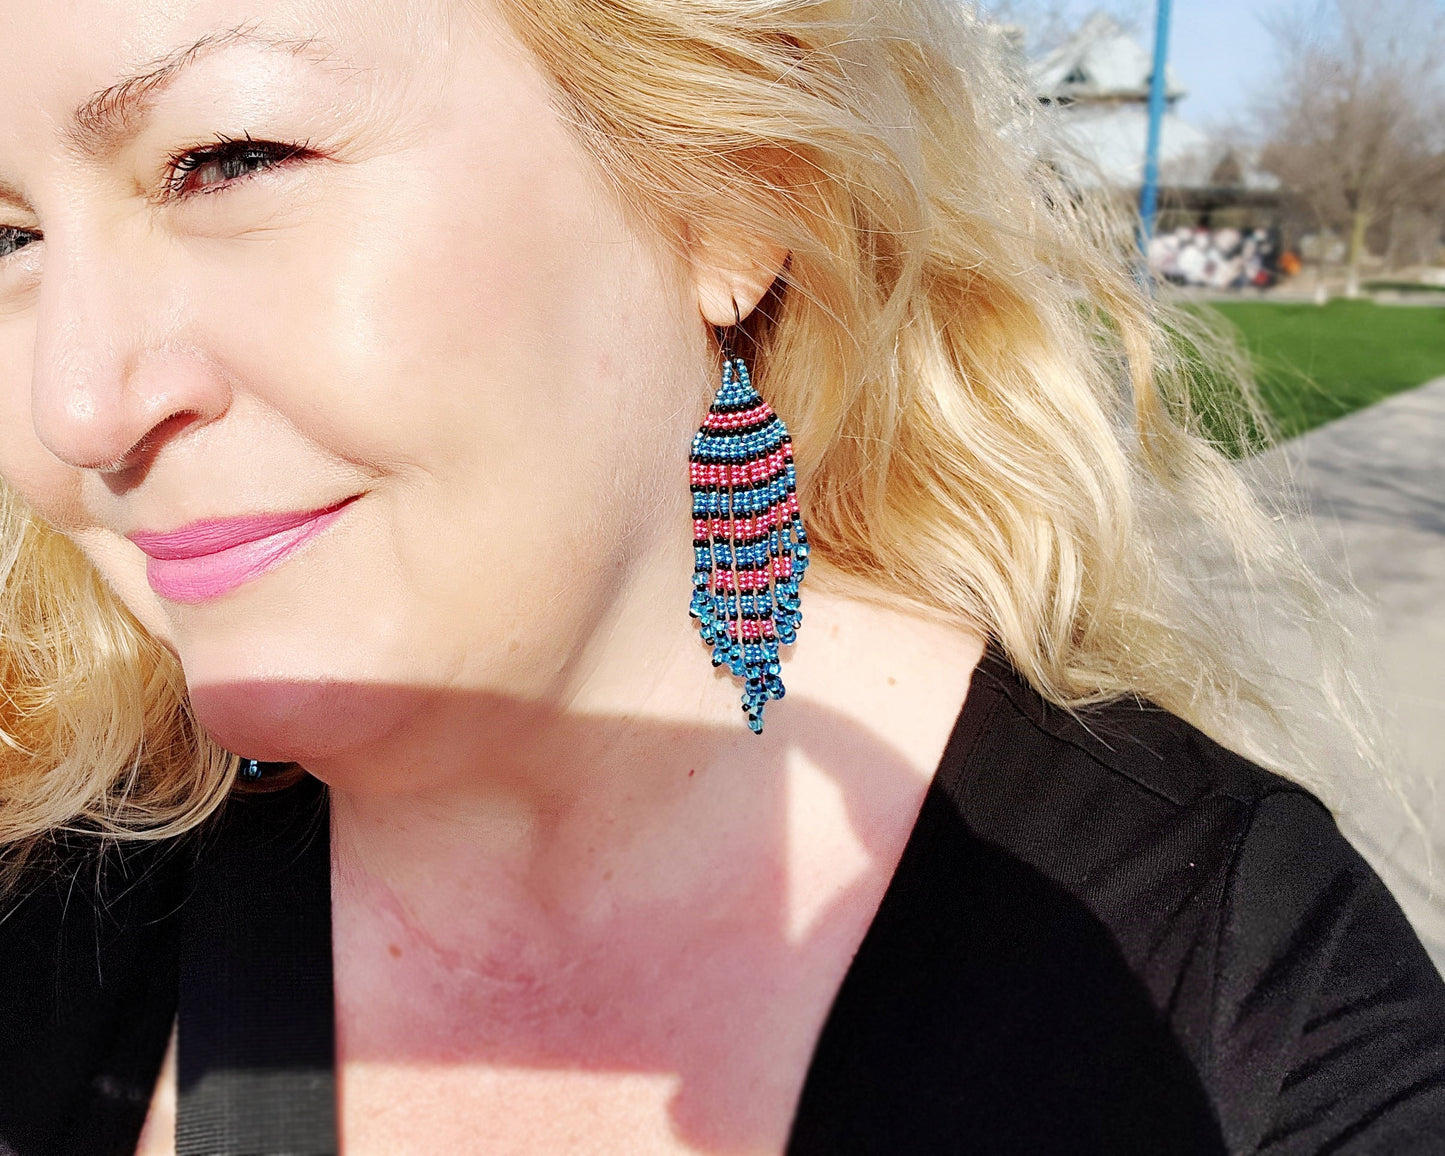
204	560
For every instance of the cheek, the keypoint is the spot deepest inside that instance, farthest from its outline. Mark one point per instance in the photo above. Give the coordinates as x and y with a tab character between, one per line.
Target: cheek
476	311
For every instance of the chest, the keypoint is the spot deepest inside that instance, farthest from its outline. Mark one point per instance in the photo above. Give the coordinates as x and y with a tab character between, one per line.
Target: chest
685	1050
396	1109
642	1040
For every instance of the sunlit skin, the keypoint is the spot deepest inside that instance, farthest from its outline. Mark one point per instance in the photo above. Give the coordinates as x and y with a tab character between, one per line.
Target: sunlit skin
353	251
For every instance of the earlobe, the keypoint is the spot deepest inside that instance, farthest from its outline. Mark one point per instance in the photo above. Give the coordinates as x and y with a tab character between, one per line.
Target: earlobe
732	279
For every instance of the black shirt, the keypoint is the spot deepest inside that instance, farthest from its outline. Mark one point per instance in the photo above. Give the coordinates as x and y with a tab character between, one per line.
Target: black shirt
1106	934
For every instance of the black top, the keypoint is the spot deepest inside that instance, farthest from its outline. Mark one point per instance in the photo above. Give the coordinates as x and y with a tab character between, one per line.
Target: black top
1109	936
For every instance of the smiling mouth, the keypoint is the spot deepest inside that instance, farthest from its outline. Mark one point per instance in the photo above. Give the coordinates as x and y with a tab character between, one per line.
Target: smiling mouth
204	560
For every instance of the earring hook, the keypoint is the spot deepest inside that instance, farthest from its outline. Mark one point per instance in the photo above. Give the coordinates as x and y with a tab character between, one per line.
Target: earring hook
726	332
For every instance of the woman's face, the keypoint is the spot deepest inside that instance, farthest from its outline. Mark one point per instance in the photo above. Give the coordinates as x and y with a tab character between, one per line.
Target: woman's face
343	264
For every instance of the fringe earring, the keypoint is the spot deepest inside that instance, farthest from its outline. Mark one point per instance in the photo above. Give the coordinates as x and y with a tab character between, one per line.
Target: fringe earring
747	535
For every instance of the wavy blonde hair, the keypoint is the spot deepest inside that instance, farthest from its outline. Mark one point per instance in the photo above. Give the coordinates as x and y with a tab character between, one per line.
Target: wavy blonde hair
992	419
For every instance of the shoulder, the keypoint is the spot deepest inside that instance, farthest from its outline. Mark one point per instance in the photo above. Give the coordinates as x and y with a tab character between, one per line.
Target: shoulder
1127	749
1143	818
1281	964
89	951
91	944
1120	803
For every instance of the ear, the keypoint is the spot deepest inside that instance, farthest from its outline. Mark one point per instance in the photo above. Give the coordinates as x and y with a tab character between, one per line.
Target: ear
732	272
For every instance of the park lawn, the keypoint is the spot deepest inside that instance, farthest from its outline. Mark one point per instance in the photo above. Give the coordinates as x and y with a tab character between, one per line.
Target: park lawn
1316	363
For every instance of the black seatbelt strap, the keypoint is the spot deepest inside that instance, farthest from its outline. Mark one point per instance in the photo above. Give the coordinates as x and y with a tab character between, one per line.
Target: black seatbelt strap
257	1037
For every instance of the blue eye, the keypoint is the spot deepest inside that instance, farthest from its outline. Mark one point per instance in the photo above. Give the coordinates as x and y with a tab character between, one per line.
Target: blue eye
215	166
13	239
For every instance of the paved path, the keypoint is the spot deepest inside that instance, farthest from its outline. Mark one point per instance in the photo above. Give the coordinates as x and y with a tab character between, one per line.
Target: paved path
1375	484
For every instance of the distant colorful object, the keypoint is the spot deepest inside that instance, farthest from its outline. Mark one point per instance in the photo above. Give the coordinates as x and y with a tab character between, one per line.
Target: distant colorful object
748	538
1217	258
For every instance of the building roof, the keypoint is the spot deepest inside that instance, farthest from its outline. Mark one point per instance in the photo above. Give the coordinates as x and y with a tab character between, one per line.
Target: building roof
1095	90
1099	62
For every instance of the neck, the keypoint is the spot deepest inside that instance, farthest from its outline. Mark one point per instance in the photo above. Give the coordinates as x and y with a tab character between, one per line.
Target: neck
641	739
638	773
657	892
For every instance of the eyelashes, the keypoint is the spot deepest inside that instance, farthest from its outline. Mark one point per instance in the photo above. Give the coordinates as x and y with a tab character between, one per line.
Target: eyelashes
226	161
218	165
12	239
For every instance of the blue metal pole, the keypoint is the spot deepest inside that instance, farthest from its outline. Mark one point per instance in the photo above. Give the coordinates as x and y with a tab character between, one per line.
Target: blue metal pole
1149	194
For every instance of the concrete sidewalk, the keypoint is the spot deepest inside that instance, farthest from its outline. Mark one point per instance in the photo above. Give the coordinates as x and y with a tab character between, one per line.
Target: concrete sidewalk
1374	483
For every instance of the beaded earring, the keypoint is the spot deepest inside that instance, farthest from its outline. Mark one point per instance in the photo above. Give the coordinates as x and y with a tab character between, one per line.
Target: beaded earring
253	774
747	535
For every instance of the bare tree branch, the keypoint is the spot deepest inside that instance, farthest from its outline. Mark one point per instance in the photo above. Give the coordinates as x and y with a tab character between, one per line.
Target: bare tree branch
1353	119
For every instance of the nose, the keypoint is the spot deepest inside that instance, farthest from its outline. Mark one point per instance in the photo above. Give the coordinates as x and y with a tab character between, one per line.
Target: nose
118	372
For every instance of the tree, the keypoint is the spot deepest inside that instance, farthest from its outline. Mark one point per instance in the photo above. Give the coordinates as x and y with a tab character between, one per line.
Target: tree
1353	122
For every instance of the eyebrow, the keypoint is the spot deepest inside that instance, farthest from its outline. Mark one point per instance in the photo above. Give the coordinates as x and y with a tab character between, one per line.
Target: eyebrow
10	195
115	114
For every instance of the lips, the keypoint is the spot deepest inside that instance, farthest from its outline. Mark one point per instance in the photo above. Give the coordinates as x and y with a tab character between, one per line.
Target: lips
204	560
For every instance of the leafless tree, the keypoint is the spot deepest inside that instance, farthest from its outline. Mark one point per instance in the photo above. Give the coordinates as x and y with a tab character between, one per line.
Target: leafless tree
1354	118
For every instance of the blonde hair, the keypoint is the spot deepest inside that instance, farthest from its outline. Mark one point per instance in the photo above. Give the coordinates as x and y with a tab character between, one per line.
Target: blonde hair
992	419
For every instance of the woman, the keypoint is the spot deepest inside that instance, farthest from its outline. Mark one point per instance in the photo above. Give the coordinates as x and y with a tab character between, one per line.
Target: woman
351	360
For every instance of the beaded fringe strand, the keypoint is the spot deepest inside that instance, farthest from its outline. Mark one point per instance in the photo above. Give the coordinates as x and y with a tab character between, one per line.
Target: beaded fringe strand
748	539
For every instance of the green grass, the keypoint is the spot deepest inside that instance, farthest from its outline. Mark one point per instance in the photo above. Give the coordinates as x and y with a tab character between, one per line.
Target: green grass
1316	363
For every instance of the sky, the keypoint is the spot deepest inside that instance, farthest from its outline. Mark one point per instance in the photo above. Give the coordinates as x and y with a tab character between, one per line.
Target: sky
1219	50
1222	54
